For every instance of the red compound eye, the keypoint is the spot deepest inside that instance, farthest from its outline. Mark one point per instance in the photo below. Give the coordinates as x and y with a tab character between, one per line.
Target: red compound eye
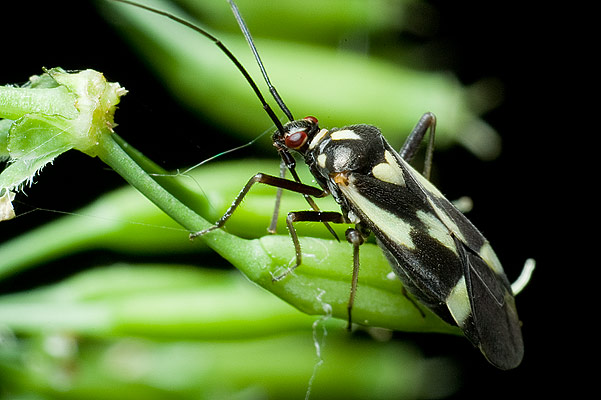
311	118
296	139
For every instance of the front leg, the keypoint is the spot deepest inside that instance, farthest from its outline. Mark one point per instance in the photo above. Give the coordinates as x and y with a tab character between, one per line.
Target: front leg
268	180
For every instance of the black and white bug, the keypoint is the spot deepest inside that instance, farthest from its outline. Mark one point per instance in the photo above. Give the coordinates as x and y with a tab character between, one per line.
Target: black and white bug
440	257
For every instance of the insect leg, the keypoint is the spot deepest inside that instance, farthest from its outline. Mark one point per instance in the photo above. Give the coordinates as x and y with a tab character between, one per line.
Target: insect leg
290	163
411	145
278	199
268	180
405	293
355	236
306	216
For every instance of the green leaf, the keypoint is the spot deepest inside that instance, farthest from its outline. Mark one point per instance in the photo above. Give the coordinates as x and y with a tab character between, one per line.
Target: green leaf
35	140
322	283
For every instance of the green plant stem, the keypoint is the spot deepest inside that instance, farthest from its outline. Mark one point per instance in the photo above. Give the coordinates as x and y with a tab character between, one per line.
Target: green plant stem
164	178
110	152
239	252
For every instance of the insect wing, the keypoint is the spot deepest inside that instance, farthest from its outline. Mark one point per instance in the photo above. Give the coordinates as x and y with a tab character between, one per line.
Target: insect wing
416	243
437	252
493	326
490	319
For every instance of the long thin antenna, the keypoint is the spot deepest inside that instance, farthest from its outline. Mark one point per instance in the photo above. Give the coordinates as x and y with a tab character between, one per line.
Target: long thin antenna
287	158
228	53
251	43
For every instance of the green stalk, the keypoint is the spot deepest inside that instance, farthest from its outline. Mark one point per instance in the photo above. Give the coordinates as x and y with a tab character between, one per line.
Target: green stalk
110	152
319	286
228	246
165	178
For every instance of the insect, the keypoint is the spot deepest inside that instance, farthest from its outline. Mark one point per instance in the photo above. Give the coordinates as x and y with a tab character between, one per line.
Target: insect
440	257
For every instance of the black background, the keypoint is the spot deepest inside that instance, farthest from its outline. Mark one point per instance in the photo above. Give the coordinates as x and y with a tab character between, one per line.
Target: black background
519	46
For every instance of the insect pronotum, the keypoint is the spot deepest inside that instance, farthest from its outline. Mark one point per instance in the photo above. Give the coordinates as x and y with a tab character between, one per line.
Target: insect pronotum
440	257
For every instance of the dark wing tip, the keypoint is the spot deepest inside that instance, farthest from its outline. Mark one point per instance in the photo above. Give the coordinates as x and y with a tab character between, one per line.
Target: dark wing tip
502	342
495	326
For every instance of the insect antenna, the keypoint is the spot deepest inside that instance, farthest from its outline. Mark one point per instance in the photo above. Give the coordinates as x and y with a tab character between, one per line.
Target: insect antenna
253	48
230	55
288	161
